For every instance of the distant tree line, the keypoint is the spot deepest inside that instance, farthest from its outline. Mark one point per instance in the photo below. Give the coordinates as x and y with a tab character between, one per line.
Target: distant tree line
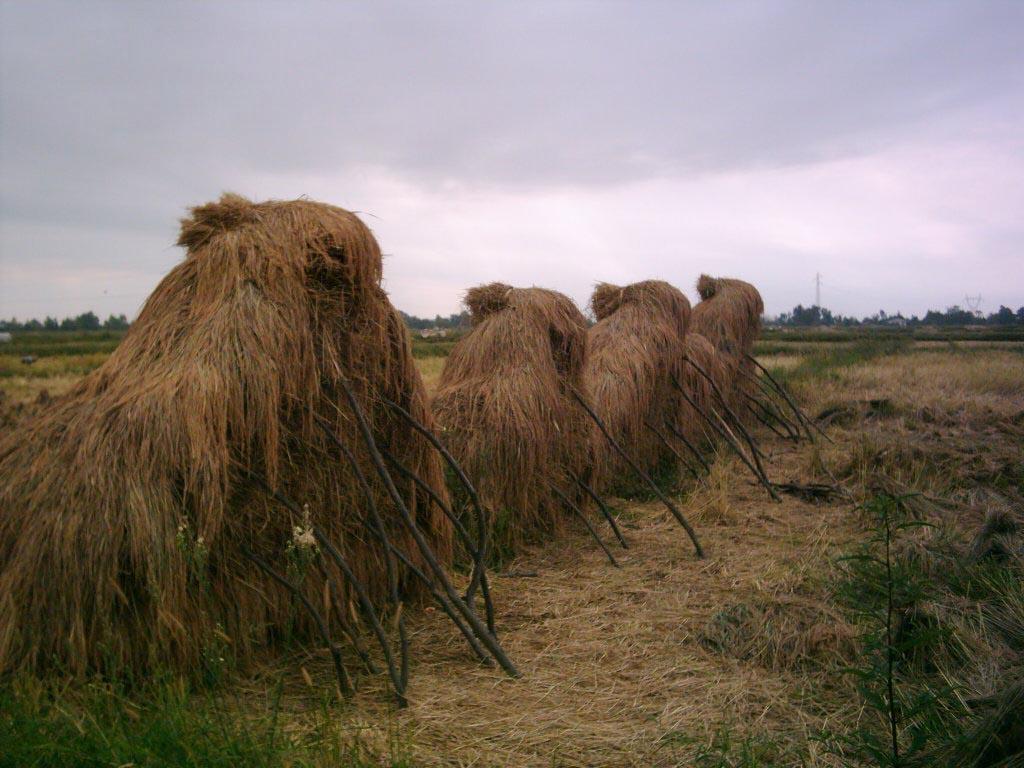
801	316
954	316
87	321
460	320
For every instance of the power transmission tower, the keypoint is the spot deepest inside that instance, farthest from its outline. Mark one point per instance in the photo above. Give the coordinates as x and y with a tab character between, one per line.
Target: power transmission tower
817	289
974	304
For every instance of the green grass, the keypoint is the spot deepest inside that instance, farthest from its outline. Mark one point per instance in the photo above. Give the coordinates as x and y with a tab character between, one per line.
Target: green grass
824	364
840	335
76	353
434	347
11	366
773	341
59	343
942	628
167	723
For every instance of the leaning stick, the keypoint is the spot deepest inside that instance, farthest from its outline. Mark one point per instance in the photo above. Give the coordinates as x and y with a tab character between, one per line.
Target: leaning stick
485	587
771	407
361	594
470	616
344	682
677	454
481	518
397	678
640	473
377	528
761	419
347	628
579	513
755	452
760	470
772	414
688	444
450	612
721	433
602	506
796	409
392	573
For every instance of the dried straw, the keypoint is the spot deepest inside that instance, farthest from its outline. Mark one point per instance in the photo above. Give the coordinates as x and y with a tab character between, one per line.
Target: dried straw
130	504
634	345
504	406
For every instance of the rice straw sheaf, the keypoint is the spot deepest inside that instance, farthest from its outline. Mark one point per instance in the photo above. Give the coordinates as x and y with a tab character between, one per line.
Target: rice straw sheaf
729	316
133	509
634	346
505	407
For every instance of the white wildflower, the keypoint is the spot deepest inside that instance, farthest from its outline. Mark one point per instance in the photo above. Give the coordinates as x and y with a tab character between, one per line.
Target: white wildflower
303	538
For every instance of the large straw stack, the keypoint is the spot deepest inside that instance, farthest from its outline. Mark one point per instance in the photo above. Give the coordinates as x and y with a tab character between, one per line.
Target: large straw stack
130	507
504	404
634	346
729	316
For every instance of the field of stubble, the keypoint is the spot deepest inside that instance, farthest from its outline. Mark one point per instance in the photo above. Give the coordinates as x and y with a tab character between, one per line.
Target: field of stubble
775	650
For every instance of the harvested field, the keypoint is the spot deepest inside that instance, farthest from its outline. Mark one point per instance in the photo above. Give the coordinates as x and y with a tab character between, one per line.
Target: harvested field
733	660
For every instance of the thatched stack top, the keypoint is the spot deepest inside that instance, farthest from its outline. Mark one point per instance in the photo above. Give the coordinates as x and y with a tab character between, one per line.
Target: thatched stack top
484	300
729	314
520	326
656	296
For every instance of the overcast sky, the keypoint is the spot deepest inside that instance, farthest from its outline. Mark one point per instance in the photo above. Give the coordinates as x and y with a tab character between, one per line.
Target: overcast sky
553	144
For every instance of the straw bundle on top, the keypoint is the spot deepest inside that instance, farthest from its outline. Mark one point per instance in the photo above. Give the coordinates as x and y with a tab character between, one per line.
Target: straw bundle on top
729	316
130	507
505	407
634	346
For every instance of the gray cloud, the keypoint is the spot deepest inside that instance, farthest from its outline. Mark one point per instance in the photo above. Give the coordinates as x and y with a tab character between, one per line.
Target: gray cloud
116	115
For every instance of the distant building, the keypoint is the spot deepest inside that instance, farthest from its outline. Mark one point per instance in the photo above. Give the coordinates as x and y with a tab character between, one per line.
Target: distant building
897	321
5	337
430	333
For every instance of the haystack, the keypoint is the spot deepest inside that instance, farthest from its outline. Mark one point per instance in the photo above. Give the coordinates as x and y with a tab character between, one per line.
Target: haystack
634	346
133	506
728	314
504	404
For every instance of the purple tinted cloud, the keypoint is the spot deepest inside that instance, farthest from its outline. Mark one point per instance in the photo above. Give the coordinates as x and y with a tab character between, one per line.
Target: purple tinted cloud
555	144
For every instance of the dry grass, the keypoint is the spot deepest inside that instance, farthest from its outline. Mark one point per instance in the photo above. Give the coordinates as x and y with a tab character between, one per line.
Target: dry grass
619	667
617	671
972	380
22	389
49	367
782	361
710	499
